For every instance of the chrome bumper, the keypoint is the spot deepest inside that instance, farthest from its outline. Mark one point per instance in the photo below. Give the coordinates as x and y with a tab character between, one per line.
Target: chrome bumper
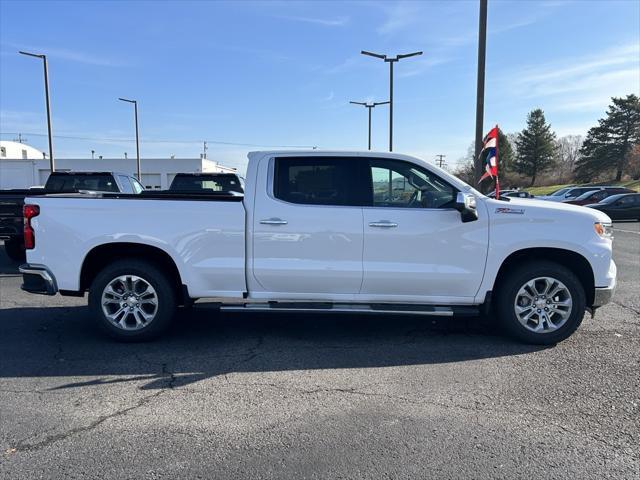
37	279
602	296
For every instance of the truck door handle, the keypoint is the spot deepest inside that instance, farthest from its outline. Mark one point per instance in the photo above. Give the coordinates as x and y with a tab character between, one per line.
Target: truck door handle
383	224
273	221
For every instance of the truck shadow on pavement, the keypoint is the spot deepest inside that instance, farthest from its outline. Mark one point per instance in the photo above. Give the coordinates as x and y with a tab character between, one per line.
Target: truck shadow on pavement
61	342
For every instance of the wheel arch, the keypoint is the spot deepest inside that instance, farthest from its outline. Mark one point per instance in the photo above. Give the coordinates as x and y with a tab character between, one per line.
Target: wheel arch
102	255
575	262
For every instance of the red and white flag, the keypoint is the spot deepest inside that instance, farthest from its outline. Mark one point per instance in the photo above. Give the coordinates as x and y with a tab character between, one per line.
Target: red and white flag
489	155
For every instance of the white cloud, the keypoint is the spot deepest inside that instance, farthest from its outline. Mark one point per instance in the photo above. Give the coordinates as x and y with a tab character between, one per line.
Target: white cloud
417	67
567	70
262	53
325	22
399	17
583	84
70	55
16	121
329	97
351	63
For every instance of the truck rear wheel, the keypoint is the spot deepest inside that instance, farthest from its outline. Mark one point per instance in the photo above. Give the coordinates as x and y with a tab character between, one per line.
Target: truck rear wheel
540	303
15	250
132	300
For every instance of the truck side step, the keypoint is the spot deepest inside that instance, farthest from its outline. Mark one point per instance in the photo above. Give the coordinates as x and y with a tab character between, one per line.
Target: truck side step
377	308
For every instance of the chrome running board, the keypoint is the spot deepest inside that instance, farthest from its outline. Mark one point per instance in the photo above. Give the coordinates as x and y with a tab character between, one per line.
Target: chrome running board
323	307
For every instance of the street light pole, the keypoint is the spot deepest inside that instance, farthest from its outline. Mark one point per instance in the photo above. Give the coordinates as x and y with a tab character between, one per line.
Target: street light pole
482	49
391	105
390	61
370	106
52	164
369	136
135	110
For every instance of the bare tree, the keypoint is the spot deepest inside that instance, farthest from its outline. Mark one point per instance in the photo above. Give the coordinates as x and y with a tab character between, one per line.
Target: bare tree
465	169
567	154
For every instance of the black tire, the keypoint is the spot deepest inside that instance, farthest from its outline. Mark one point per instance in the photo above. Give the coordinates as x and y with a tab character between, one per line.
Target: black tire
507	290
164	292
15	250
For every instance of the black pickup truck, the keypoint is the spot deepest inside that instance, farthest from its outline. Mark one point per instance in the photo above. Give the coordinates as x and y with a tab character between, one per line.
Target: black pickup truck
12	201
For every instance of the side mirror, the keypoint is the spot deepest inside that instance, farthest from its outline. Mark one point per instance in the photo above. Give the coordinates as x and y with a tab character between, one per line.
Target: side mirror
466	205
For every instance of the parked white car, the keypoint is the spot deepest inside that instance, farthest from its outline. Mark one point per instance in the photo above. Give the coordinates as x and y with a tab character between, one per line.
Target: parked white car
325	231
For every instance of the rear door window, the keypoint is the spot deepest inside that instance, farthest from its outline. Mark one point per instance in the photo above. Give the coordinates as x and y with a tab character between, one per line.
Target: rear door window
318	180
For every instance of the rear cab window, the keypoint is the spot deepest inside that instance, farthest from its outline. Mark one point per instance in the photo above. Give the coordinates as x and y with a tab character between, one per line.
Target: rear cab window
202	183
73	183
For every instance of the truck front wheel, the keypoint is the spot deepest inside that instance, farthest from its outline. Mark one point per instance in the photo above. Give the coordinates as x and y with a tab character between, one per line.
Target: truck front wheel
540	303
132	300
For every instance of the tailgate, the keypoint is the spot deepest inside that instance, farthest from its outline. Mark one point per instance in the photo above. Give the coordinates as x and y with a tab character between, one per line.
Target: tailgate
10	215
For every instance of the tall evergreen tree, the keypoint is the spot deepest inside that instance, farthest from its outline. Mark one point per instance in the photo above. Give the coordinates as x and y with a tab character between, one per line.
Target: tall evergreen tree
608	145
536	146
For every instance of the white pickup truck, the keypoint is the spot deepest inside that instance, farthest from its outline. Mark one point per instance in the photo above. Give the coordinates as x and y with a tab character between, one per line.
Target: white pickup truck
325	231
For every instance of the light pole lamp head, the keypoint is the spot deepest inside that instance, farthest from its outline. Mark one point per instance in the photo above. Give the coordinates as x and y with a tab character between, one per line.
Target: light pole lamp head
127	100
389	59
372	54
37	55
407	55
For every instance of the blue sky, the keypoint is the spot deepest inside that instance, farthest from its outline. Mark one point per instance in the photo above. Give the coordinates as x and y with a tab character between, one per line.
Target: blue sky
282	73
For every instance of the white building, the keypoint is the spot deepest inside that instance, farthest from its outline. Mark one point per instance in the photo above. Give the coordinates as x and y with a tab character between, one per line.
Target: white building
20	151
16	171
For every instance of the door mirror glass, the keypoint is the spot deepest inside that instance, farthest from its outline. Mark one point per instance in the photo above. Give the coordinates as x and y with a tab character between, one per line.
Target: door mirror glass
466	205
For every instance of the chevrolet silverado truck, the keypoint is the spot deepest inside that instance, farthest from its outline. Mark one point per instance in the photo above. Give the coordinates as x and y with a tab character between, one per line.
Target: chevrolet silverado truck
12	201
360	232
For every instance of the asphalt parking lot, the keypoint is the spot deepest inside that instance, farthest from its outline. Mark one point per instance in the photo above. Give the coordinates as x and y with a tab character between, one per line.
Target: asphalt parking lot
287	396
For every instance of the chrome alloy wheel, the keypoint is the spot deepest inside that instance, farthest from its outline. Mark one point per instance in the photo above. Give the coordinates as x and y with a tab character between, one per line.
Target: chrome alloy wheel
543	304
129	302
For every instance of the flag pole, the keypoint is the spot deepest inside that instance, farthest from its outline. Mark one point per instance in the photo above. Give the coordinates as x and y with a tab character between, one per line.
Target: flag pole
497	164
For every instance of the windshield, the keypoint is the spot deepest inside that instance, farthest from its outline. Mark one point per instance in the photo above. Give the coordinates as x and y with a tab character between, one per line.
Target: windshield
585	195
562	191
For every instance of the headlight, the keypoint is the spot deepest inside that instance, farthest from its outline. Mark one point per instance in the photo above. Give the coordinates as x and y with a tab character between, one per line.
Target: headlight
605	230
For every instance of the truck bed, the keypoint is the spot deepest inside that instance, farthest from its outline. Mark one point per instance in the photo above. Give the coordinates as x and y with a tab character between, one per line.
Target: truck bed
203	234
